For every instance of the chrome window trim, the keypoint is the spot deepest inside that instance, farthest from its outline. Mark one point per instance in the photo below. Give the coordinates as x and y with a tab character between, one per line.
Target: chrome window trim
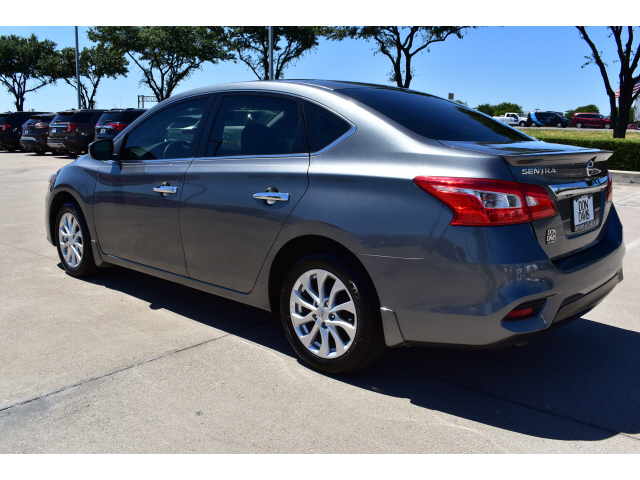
244	157
579	188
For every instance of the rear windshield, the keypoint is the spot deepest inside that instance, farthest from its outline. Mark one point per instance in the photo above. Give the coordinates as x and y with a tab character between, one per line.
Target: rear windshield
119	117
62	117
82	117
434	117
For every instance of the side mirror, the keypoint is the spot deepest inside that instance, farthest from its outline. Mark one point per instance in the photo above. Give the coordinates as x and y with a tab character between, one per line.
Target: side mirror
101	149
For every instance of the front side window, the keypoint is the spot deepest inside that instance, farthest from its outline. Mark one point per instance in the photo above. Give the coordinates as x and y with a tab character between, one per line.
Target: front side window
434	117
167	134
256	125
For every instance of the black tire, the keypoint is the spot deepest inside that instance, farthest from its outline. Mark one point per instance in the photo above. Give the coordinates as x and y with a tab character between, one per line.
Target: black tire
607	126
368	344
39	152
523	124
72	154
11	149
578	124
87	264
559	125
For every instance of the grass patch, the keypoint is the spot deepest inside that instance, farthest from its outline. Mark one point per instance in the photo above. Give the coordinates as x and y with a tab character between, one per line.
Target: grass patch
626	151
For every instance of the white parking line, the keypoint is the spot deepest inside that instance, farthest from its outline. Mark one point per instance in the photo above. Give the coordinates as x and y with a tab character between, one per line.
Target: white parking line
633	244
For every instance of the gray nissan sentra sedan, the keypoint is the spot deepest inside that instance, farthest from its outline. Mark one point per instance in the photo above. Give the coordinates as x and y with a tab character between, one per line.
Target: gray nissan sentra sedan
363	216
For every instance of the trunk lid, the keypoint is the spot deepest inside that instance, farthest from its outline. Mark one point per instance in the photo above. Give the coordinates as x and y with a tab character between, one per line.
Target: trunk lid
575	177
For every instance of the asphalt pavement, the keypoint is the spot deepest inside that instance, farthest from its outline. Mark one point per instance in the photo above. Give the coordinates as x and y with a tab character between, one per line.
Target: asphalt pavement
124	362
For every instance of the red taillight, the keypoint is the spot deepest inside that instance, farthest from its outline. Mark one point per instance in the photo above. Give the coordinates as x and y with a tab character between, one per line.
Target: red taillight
71	127
609	187
41	125
117	126
539	202
520	312
4	127
476	201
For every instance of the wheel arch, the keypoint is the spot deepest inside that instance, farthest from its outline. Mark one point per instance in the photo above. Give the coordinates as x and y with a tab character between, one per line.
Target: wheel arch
57	201
298	247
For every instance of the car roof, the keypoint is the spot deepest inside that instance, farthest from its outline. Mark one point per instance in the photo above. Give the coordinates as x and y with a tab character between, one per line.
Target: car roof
286	86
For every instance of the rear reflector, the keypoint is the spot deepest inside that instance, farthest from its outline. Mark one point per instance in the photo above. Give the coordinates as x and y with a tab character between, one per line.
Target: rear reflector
520	312
526	310
477	201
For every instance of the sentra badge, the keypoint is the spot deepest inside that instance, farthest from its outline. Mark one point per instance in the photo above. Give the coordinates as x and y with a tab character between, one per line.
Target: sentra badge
537	171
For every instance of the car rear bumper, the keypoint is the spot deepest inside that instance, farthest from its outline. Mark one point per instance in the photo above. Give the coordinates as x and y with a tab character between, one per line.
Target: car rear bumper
68	143
461	293
33	142
10	140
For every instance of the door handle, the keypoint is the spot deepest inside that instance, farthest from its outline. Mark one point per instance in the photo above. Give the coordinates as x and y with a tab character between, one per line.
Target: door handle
272	197
165	190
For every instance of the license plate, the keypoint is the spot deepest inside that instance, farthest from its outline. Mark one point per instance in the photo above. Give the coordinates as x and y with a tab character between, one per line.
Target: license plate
25	132
583	214
102	130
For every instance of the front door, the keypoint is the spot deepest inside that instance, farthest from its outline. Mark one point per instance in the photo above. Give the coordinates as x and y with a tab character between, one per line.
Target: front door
256	148
137	198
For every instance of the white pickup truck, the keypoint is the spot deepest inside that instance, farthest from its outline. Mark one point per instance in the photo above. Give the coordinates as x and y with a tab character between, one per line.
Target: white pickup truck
513	119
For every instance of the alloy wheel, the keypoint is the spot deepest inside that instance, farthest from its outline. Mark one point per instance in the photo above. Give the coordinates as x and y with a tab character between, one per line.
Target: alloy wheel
323	314
70	238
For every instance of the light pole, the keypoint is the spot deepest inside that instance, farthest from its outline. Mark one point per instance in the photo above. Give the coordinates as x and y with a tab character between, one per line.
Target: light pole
270	53
77	68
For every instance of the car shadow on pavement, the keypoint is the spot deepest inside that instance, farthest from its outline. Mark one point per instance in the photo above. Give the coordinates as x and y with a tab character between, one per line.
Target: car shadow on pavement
579	382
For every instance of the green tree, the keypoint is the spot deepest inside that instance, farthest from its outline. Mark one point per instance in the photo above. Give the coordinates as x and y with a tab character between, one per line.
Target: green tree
487	109
466	104
27	64
628	57
504	107
290	44
165	55
399	44
95	63
591	108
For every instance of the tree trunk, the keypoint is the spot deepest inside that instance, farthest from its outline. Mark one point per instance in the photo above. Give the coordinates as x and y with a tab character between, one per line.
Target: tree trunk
20	103
620	128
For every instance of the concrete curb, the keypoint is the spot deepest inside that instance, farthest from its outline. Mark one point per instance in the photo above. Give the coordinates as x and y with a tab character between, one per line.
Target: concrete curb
625	177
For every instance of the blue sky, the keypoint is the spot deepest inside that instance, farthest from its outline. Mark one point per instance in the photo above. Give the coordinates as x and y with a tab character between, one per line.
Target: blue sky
536	67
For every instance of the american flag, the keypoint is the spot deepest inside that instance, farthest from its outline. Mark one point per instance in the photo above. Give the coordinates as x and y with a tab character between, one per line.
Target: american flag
635	90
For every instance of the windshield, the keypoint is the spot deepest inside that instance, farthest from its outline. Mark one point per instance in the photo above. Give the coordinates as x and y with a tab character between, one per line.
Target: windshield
62	117
434	117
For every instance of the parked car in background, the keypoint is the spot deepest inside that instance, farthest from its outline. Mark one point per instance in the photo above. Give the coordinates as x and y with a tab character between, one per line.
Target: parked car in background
581	119
361	215
35	133
112	122
11	129
513	119
74	130
636	113
547	119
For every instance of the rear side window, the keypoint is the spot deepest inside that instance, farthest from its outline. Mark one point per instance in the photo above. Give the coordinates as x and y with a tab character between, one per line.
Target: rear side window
434	117
256	125
323	126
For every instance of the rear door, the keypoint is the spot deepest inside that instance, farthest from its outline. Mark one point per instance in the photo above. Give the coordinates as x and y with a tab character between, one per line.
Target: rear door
137	197
255	148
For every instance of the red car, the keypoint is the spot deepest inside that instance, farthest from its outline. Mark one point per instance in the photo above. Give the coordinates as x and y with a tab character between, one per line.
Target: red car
580	120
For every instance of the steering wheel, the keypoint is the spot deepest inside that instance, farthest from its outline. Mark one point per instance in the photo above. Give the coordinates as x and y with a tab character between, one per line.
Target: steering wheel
176	149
